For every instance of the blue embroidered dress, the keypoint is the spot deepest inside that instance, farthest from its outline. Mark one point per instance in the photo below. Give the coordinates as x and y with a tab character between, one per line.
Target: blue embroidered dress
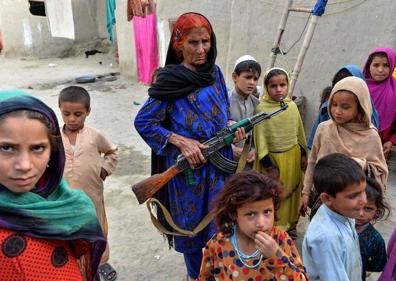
199	115
372	249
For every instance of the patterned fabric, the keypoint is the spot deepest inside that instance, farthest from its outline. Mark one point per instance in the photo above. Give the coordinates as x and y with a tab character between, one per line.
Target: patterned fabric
372	250
199	116
220	261
27	258
51	211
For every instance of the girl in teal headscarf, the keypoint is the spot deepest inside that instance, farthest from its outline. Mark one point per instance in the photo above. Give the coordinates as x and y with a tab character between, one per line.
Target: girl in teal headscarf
47	231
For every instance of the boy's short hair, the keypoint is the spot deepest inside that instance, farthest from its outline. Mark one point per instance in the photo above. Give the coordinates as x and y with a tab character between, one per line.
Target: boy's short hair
247	63
334	172
75	94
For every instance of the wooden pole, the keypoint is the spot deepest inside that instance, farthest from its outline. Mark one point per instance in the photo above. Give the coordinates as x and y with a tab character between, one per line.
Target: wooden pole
304	48
281	29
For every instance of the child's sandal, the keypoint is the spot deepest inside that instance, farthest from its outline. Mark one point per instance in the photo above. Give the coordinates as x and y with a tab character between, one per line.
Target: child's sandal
108	272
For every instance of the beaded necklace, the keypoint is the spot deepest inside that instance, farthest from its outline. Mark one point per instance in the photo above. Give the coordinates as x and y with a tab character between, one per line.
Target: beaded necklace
242	256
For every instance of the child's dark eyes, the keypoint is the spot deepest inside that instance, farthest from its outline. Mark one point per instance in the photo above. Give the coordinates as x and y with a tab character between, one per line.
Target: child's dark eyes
282	85
250	214
77	114
38	148
378	65
368	209
253	214
35	149
6	148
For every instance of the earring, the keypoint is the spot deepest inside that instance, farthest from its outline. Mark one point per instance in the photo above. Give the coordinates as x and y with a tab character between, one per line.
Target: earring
47	165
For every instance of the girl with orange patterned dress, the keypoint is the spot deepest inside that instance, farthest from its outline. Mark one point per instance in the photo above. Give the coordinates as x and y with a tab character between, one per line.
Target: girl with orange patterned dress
247	245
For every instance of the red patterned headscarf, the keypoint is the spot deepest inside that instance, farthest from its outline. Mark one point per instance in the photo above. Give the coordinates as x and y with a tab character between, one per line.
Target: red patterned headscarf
182	27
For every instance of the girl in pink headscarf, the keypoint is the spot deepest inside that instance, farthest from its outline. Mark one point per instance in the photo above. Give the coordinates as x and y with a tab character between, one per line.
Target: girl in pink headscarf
382	85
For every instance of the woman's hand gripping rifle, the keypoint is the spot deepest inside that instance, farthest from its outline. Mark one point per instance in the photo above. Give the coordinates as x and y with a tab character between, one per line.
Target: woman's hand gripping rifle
145	189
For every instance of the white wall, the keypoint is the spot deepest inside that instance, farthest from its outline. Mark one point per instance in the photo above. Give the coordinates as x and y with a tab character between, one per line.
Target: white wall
346	34
125	41
28	35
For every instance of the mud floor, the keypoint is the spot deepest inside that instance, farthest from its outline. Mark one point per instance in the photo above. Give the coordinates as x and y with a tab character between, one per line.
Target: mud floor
137	250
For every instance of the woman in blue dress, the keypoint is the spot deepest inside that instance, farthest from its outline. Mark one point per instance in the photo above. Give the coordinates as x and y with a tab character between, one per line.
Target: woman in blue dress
188	104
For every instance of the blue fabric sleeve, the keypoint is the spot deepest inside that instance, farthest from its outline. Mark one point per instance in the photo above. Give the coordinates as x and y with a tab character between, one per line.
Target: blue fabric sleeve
326	258
149	124
323	115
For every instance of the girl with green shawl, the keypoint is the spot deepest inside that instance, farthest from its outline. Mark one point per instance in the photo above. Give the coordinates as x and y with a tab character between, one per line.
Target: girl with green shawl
281	146
46	229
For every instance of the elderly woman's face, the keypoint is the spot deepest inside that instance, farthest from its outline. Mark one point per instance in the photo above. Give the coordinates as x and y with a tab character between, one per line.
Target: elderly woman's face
196	47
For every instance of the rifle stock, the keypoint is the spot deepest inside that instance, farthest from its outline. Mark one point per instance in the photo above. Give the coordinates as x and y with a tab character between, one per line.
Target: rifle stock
147	188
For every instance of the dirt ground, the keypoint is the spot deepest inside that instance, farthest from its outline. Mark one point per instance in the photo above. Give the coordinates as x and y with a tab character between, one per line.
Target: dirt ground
137	250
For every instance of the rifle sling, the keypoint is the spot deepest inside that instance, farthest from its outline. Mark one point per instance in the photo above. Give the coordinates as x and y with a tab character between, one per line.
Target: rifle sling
244	155
178	231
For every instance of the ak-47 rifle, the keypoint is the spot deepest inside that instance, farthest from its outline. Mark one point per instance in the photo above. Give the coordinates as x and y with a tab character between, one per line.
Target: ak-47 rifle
147	188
